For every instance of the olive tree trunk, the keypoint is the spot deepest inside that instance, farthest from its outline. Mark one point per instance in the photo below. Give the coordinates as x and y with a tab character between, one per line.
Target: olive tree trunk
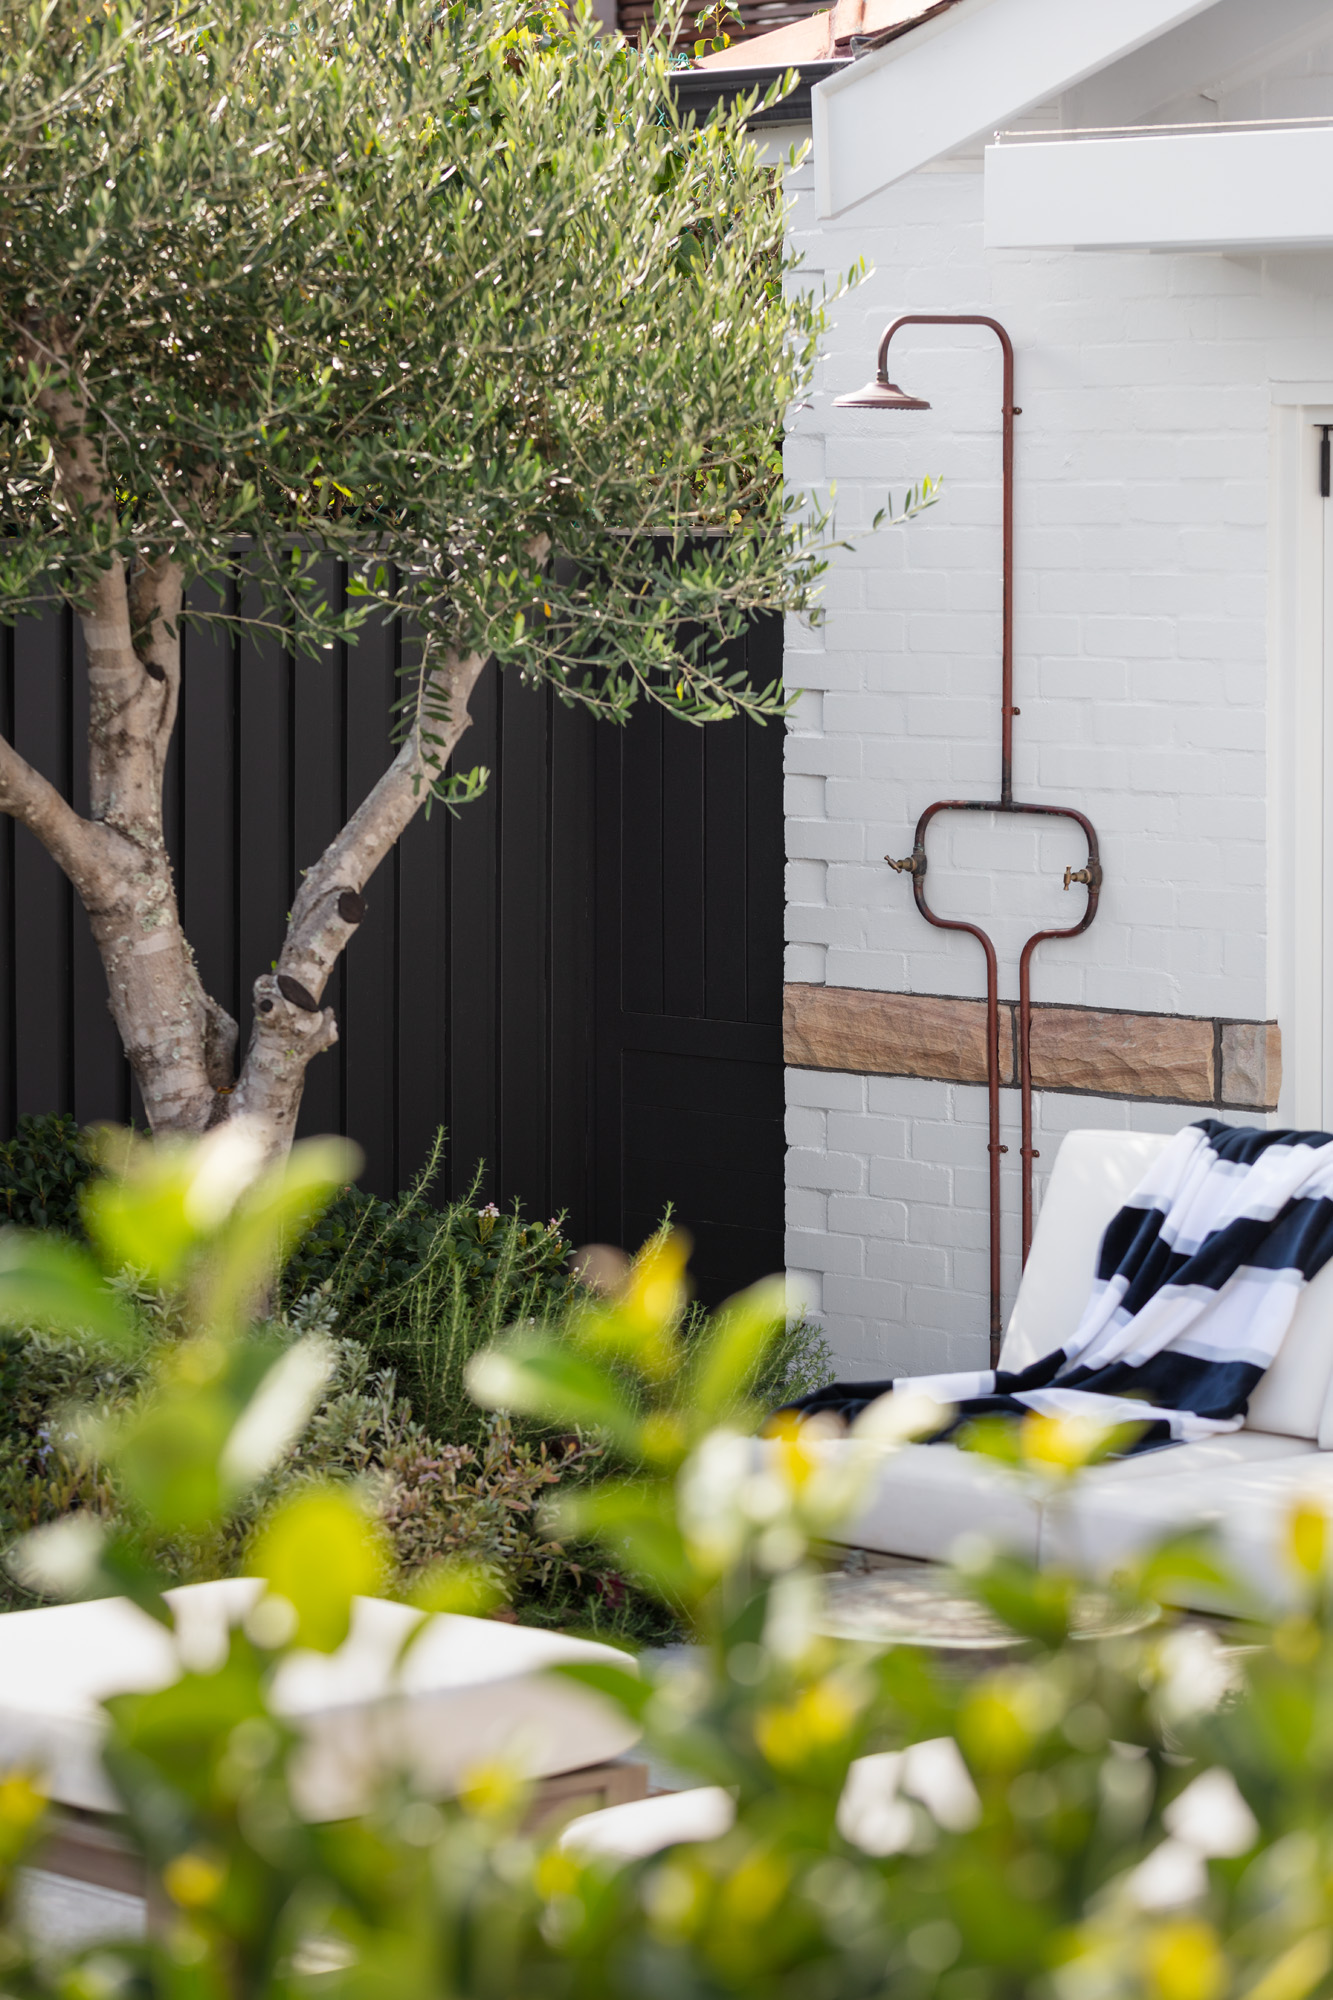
181	1043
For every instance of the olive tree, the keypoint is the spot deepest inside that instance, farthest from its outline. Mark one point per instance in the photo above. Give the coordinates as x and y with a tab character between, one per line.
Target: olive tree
452	300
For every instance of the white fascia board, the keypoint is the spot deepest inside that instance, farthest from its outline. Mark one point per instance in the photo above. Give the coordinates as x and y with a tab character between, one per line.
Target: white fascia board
959	77
1205	190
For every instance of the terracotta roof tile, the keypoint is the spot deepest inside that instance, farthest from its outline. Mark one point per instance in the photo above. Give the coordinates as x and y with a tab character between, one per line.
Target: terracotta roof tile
825	36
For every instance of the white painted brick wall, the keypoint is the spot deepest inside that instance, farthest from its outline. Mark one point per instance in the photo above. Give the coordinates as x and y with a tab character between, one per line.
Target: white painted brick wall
888	1207
1141	663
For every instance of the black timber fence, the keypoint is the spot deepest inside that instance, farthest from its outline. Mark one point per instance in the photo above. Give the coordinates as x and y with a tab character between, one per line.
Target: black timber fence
579	976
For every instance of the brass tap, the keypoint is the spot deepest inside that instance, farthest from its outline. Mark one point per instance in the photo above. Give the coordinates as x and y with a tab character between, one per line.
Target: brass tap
1078	875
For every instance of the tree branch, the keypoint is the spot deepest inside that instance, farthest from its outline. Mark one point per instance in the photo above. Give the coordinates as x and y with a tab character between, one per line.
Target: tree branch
290	1024
30	798
329	904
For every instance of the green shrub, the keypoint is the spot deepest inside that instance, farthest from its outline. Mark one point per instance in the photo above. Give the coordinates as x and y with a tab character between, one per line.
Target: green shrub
423	1287
434	1499
43	1170
409	1293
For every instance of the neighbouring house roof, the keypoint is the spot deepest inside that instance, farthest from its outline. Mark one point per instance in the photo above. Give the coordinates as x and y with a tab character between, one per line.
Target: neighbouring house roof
837	34
747	20
695	90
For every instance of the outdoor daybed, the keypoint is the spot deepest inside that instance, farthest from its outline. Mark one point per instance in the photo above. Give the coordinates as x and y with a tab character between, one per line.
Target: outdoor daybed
1243	1485
466	1692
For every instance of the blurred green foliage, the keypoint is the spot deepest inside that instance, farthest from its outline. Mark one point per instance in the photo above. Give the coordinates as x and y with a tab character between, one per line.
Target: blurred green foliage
1144	1815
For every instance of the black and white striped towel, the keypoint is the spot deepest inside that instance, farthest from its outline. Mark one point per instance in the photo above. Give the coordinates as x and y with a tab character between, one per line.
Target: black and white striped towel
1197	1280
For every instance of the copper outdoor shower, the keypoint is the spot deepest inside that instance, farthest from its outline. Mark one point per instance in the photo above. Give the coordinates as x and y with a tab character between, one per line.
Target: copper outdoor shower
881	394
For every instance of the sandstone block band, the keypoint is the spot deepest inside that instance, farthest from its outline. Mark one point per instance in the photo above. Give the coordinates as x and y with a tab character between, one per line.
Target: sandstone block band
1099	1052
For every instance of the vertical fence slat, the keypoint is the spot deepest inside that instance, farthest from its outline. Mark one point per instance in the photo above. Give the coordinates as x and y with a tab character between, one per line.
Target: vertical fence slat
615	992
264	806
368	977
422	948
42	916
765	899
8	1080
571	762
473	1052
722	896
682	873
524	1000
319	809
206	862
641	794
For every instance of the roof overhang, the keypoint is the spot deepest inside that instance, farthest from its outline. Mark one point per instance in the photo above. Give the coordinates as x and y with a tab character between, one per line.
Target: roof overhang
961	76
699	91
1256	188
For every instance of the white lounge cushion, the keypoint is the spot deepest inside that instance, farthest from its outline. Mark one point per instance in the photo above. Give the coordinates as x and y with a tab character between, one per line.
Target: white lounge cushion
1293	1394
1246	1503
873	1813
1094	1172
926	1496
646	1826
470	1690
1223	1454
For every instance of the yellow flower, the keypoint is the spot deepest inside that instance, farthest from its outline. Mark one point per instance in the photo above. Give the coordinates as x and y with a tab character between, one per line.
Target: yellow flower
1060	1444
1307	1538
193	1881
1297	1972
753	1891
556	1874
818	1719
21	1804
491	1790
1184	1961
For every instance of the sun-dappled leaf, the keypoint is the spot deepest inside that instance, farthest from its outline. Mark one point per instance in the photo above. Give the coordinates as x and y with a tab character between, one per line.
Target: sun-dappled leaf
457	1587
49	1283
561	1387
724	1367
276	1412
273	1213
319	1550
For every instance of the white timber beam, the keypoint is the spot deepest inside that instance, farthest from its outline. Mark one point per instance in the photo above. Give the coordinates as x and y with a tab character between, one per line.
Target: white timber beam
960	77
1211	189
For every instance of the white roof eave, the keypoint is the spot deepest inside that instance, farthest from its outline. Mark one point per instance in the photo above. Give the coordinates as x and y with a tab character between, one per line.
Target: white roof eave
960	77
1212	189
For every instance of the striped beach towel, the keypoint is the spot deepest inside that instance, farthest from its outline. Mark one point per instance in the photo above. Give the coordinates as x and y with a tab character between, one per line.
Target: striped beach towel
1197	1279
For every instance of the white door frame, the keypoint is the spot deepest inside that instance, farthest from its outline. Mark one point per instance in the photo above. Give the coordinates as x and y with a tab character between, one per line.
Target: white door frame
1300	754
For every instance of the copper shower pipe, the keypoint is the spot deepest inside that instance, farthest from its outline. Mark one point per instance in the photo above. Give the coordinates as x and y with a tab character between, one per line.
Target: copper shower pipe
884	394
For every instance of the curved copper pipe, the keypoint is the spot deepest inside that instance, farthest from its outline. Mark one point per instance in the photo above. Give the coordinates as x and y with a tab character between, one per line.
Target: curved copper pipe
1008	413
916	863
1093	879
916	866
